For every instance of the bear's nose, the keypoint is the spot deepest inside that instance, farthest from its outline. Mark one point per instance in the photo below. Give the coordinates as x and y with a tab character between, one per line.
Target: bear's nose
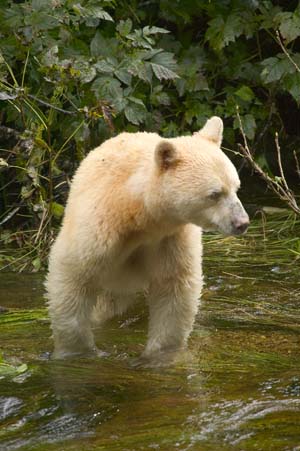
241	226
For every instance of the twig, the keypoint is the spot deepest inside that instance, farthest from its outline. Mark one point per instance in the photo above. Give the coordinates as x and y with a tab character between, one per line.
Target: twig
44	215
49	105
280	162
10	215
281	190
283	48
297	163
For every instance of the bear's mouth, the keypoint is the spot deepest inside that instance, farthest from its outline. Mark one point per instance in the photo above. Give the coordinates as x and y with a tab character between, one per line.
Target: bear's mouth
227	231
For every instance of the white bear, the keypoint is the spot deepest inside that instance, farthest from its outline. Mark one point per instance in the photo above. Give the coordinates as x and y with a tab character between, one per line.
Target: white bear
133	223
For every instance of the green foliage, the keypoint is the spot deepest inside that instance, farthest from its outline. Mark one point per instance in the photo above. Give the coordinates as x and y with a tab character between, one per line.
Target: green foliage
8	370
73	73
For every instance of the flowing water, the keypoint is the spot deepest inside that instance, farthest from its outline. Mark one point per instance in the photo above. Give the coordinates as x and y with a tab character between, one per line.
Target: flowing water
238	388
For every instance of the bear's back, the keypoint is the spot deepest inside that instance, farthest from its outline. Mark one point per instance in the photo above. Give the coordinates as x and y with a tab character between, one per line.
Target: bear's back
127	147
118	157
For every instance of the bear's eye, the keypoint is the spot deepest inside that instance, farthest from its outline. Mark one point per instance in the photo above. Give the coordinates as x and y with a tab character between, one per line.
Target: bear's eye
215	195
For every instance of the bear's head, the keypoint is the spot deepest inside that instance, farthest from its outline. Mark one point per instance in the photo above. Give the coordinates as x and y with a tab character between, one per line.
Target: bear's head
197	183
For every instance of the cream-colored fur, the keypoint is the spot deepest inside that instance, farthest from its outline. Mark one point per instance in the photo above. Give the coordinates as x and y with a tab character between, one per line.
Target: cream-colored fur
133	223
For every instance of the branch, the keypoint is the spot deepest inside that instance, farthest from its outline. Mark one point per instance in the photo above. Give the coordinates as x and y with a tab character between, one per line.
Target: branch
282	190
297	163
283	48
49	105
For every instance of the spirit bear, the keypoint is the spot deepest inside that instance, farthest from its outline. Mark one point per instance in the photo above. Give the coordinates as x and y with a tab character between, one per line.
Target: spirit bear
133	223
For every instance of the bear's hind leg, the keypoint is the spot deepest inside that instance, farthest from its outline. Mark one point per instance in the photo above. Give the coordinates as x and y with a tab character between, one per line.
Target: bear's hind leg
174	291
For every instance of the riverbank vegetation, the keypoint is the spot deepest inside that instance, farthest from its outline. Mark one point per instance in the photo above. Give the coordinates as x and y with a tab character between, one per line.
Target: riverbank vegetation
74	73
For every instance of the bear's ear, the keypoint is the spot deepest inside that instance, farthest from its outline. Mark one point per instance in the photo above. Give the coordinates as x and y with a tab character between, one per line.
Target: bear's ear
165	155
213	130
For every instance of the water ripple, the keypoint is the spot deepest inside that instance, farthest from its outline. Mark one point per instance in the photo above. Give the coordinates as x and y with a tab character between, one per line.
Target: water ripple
9	406
228	419
65	427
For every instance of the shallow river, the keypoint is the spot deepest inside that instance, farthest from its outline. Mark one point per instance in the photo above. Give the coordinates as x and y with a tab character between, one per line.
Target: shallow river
237	389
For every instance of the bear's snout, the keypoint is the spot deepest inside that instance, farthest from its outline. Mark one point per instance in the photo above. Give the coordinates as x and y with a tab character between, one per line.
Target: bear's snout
240	225
239	219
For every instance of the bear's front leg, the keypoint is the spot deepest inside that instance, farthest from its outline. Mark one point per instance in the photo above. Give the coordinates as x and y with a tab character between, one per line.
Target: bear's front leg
70	308
175	290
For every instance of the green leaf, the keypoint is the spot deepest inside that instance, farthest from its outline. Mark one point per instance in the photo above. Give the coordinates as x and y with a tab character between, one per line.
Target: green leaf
154	30
13	16
196	82
124	76
148	54
86	72
233	28
109	89
41	20
160	98
136	100
32	172
39	4
7	370
245	93
92	11
124	27
220	32
26	192
275	68
289	25
140	69
292	84
139	40
50	58
249	125
262	162
101	46
78	48
36	263
163	66
99	13
196	110
57	209
105	66
223	30
135	112
165	59
161	72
